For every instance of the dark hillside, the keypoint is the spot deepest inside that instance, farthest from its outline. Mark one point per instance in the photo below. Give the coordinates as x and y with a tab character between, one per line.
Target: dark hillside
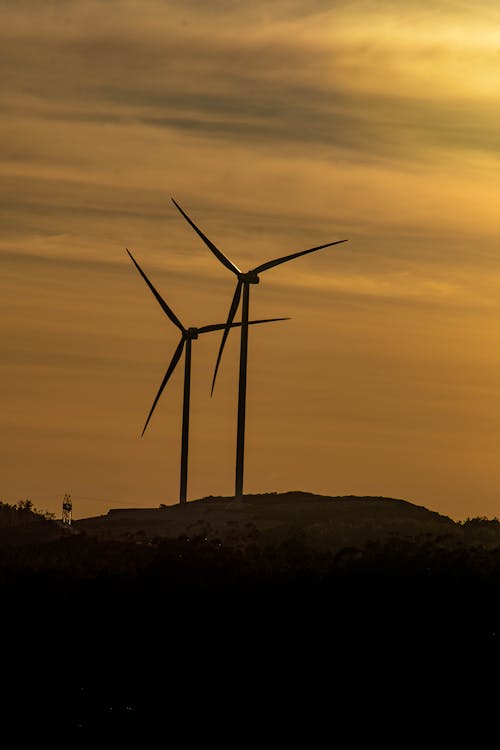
327	522
21	524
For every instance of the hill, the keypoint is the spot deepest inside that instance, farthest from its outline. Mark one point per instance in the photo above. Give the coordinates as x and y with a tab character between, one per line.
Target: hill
323	520
21	524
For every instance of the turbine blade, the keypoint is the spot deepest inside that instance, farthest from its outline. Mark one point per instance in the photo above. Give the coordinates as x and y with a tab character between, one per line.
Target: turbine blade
166	309
218	253
173	363
227	327
278	261
266	320
220	326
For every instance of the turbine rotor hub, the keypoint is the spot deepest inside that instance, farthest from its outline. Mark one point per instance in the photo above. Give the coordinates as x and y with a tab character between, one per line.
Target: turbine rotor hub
250	278
192	333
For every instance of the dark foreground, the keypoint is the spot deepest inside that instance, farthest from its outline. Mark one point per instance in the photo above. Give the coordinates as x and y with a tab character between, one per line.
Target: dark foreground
181	635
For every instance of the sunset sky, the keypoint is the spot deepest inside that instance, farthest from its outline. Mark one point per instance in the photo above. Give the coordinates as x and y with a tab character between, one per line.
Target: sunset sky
277	126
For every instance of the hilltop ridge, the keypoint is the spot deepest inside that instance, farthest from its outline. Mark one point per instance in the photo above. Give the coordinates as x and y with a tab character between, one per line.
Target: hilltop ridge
274	516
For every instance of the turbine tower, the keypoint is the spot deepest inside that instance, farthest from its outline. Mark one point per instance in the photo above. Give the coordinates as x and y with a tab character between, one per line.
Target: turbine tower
187	336
243	284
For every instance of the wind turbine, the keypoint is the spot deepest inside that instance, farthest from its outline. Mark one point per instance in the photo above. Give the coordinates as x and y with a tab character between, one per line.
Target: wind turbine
187	336
243	284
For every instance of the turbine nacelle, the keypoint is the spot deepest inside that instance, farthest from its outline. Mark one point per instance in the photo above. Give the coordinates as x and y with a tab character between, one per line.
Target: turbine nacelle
250	278
191	333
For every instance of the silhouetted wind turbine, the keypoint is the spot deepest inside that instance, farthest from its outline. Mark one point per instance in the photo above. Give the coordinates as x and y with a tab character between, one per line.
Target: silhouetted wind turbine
244	281
187	336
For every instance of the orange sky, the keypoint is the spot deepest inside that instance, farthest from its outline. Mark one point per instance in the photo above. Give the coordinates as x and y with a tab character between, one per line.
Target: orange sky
277	127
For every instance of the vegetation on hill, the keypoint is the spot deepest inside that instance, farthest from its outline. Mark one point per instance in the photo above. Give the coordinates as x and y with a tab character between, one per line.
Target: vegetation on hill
22	524
19	514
